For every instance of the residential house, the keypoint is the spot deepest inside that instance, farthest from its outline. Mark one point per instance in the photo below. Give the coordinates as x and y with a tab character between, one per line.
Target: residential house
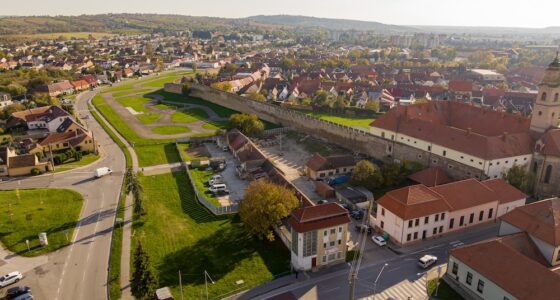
5	100
56	89
318	235
12	164
47	117
460	90
522	263
80	140
415	213
320	167
80	85
431	176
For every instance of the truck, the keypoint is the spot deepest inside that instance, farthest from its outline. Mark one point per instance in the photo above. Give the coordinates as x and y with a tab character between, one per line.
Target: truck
102	172
338	180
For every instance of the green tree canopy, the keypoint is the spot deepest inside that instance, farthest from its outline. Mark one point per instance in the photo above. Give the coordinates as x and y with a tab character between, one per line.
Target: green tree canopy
248	124
366	174
143	283
521	178
264	205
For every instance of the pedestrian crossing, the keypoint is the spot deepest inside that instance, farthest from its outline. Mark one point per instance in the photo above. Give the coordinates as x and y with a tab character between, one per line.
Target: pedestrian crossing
404	290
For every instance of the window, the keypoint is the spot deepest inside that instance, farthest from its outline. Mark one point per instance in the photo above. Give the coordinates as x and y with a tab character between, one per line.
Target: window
437	217
540	113
429	148
310	243
480	215
416	235
556	96
324	258
416	222
469	278
333	231
543	96
426	220
409	223
471	218
408	237
295	242
442	216
435	230
382	211
480	286
444	152
547	174
455	268
340	229
325	234
535	167
339	242
324	245
462	221
440	229
331	244
451	221
382	225
490	211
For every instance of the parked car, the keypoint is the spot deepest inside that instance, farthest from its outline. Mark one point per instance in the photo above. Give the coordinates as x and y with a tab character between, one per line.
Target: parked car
357	214
426	261
17	291
27	296
102	172
364	228
379	240
214	189
346	206
216	179
10	278
322	201
225	148
222	192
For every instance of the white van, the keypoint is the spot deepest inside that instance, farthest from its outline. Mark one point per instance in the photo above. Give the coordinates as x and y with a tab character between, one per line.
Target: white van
102	172
216	188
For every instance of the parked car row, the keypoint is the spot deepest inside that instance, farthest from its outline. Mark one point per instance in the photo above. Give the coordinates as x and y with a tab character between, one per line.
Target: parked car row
18	292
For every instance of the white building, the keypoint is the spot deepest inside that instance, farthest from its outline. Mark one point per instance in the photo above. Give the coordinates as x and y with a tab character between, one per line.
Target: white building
415	213
523	263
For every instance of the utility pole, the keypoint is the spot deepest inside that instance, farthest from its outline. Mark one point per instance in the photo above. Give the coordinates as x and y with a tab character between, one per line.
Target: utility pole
357	261
181	284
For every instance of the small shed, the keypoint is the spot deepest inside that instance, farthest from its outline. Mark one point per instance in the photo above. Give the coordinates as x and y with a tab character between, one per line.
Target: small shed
164	294
356	197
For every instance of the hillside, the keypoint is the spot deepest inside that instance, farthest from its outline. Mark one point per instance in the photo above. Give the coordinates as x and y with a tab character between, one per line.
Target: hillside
333	24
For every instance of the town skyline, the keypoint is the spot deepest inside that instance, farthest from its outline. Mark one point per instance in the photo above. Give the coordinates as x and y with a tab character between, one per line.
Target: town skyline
476	13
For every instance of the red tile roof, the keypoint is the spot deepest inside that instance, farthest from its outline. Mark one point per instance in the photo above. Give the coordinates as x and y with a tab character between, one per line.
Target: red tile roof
319	216
431	176
460	85
513	263
540	219
465	128
321	163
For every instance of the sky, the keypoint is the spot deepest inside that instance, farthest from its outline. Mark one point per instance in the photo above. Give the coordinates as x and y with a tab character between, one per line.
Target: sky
510	13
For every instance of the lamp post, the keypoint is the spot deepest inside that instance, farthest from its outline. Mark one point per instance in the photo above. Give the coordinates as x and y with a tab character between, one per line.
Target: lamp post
375	282
206	276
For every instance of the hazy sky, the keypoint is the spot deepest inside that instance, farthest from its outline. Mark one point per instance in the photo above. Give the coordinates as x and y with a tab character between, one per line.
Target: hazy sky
515	13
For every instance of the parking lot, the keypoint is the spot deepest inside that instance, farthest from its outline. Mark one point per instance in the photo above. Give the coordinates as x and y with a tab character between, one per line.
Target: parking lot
235	185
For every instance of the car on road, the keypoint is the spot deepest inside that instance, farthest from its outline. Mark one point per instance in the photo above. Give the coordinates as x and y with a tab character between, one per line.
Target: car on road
17	291
102	172
357	214
10	278
426	261
379	240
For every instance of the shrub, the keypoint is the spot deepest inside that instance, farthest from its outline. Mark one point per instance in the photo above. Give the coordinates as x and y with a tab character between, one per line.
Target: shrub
57	160
35	171
39	155
85	152
78	156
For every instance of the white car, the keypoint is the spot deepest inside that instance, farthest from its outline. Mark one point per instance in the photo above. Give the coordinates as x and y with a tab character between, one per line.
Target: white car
379	240
426	261
10	278
216	179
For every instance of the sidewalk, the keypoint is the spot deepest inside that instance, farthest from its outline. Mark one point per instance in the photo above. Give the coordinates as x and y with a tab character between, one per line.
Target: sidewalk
10	262
482	231
161	169
270	286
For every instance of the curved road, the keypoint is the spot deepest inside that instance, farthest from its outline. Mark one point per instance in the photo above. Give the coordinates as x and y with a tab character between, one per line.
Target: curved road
79	271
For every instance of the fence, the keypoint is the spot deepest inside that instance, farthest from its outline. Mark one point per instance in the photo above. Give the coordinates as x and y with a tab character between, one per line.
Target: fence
223	210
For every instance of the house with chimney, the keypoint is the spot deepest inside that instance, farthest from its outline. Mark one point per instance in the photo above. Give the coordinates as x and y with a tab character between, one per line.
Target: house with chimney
12	164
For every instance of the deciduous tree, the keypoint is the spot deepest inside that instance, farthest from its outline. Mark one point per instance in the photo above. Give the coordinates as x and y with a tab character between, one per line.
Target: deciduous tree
521	178
366	174
264	205
143	283
248	124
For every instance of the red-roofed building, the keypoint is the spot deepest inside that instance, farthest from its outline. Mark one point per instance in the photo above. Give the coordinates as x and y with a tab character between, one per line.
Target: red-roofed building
522	263
418	212
318	235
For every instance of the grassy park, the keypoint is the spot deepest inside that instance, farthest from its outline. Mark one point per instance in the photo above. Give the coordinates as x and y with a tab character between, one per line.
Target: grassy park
189	115
27	212
169	130
179	234
351	121
86	160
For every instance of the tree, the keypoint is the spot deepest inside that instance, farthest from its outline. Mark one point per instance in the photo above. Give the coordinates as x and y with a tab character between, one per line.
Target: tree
143	283
248	124
393	174
257	97
366	174
321	98
521	178
372	105
186	89
264	205
222	86
133	185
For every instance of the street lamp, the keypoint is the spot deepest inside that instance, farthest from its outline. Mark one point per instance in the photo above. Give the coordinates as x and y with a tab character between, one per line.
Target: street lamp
206	276
376	279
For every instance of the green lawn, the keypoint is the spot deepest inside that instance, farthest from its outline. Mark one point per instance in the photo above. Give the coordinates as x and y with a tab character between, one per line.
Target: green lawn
53	211
136	102
200	177
189	115
445	292
356	122
129	91
179	234
148	118
71	164
215	125
218	109
170	130
149	152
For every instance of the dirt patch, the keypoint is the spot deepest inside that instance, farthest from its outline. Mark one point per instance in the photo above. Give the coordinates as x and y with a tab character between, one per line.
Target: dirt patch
200	151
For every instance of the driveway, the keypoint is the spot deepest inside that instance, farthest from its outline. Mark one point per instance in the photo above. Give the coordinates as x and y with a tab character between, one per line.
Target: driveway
79	271
235	184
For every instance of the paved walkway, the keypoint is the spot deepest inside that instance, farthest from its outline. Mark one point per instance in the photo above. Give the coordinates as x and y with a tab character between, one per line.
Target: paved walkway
10	262
161	169
127	228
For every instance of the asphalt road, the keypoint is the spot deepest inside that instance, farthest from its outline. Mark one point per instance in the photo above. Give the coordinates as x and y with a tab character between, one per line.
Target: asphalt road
79	271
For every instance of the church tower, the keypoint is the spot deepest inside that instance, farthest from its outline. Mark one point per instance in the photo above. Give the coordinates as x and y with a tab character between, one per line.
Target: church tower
546	110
